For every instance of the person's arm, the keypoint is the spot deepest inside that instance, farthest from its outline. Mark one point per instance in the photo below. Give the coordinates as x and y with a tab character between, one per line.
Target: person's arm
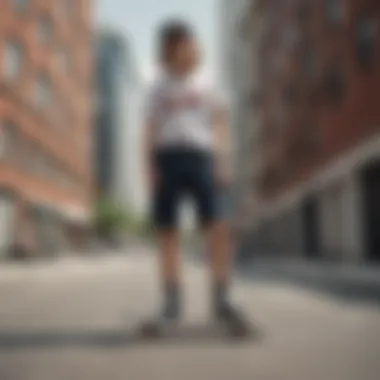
150	112
222	138
148	138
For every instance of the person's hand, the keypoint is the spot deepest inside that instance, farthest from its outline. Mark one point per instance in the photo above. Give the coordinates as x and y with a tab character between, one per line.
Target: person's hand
223	174
152	180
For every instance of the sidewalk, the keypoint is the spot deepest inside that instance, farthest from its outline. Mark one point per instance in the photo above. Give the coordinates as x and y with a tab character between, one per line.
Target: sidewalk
346	280
77	320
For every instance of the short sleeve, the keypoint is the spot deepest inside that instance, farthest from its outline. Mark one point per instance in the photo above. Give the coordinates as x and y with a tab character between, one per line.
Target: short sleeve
150	107
219	100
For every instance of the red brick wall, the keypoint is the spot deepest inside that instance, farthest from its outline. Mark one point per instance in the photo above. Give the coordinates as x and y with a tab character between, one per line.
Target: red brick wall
290	152
67	141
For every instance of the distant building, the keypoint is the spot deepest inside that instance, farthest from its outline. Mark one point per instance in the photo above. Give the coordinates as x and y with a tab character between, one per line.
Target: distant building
320	143
134	191
117	164
239	56
45	122
111	69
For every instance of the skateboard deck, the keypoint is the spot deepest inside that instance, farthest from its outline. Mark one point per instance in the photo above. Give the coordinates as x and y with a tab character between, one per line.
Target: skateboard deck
188	331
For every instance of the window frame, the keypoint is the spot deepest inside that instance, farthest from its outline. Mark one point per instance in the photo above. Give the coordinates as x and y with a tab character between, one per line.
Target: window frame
47	102
20	6
331	9
365	58
45	36
66	8
335	96
10	155
2	142
14	56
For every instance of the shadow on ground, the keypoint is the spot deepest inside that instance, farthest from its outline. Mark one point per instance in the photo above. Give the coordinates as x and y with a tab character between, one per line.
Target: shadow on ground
113	338
349	290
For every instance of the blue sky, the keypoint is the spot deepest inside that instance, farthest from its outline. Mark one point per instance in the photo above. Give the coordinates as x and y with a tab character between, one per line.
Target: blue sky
138	20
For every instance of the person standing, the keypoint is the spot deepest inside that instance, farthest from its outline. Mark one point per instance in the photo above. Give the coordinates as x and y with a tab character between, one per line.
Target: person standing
188	153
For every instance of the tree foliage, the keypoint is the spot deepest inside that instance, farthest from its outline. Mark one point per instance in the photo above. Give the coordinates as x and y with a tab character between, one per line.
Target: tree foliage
113	218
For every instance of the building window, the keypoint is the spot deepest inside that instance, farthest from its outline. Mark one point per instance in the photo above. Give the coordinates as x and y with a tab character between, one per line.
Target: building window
366	40
335	84
267	133
34	163
45	29
42	91
58	173
22	156
334	12
279	116
304	11
278	61
66	180
64	60
309	61
40	165
291	94
313	95
10	135
269	180
26	155
20	6
311	136
45	168
291	37
66	7
49	172
68	116
254	98
13	56
2	143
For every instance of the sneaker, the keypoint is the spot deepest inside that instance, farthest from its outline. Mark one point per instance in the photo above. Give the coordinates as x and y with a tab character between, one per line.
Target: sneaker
233	319
170	312
170	315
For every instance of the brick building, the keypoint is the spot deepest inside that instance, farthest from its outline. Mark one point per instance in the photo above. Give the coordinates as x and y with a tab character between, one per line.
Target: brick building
240	30
45	120
319	68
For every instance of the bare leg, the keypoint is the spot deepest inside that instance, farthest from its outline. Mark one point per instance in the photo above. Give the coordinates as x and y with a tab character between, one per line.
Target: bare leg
218	242
169	247
169	262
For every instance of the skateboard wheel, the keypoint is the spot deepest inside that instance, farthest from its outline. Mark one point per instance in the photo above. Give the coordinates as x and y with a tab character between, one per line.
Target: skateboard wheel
238	331
150	330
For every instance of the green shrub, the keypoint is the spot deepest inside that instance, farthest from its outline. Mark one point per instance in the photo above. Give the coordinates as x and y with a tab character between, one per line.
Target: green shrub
113	218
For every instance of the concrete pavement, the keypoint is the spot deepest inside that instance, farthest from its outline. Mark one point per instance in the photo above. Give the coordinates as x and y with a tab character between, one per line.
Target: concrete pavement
348	281
73	319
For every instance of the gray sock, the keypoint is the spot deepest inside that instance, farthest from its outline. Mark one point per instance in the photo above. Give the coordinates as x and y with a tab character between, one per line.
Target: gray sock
171	299
220	294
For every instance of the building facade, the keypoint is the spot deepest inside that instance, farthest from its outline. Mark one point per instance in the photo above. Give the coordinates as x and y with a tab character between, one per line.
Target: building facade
45	121
239	59
118	164
111	78
320	143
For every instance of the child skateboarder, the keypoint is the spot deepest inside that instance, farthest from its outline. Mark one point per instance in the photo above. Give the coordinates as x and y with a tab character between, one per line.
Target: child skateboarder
187	152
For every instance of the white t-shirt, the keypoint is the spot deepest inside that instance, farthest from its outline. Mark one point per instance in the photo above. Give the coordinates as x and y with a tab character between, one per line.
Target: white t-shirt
181	111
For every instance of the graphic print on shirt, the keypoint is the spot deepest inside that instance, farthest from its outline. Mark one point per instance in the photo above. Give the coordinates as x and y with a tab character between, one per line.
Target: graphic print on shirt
182	102
182	111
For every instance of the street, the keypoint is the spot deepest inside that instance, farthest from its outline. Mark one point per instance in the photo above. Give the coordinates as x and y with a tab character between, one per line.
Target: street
74	319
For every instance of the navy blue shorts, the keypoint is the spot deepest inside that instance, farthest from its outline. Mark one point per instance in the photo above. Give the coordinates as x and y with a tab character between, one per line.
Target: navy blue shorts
182	174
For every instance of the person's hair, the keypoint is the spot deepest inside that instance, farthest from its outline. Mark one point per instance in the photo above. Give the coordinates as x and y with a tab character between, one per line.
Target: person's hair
172	33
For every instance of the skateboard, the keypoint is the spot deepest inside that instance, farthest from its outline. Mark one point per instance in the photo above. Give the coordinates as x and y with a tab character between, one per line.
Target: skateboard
158	330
